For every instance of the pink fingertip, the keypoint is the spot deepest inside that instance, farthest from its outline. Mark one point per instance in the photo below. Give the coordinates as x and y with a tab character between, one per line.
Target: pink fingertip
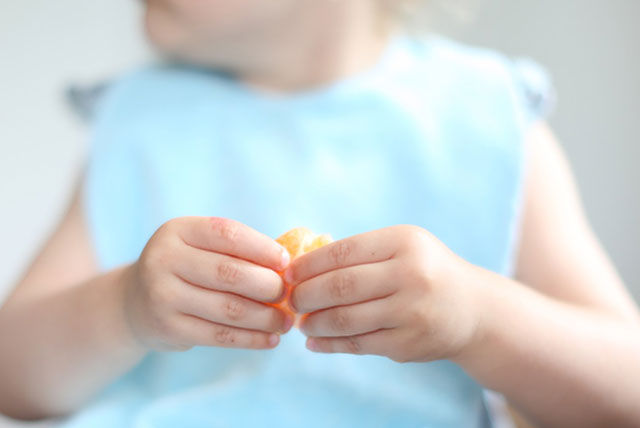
273	340
312	345
288	323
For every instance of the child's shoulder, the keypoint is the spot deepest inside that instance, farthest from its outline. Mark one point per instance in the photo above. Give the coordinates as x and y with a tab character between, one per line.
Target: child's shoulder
456	55
156	86
473	74
459	59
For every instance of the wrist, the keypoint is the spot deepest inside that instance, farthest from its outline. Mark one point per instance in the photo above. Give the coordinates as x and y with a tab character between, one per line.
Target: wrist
125	281
479	288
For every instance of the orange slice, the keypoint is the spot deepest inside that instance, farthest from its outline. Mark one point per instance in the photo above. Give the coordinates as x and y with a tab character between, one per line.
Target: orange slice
299	241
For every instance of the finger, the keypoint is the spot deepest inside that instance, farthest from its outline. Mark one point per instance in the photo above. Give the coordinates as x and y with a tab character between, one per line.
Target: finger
349	320
198	332
370	247
234	311
225	273
343	287
374	343
235	239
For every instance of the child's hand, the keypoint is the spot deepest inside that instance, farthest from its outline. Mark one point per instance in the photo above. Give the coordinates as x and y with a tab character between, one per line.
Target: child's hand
397	292
200	282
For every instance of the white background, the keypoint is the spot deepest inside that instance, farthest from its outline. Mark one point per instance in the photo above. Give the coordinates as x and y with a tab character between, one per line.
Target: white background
591	49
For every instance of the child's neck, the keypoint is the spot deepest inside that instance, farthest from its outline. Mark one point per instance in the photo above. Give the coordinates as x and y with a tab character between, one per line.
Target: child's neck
314	51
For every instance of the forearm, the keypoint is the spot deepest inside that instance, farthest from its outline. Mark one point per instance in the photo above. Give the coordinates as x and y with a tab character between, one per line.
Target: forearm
59	349
560	364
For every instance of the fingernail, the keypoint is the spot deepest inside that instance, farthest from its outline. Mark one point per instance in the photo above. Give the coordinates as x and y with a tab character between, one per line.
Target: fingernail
288	323
273	340
285	257
312	345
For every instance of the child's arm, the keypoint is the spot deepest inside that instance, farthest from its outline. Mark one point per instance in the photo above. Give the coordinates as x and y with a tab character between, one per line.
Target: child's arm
568	353
61	332
565	348
65	332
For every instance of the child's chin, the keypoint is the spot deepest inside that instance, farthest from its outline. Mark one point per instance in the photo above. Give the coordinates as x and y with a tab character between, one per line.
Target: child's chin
162	31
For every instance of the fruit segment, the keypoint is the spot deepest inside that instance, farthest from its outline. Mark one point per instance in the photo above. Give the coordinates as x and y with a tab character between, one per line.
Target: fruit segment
319	241
300	241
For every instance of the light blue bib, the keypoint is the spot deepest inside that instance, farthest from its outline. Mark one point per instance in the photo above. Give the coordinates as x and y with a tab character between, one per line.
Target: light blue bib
431	136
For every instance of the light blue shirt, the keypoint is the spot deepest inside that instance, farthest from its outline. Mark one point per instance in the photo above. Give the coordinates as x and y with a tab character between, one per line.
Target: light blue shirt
432	136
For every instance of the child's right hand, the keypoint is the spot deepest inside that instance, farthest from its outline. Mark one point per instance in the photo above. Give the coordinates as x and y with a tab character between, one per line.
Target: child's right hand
207	282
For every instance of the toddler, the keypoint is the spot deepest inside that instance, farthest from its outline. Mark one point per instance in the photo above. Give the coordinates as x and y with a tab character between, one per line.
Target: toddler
462	260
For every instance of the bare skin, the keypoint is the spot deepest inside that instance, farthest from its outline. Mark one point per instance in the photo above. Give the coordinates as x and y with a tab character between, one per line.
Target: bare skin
66	331
562	342
275	46
88	325
559	342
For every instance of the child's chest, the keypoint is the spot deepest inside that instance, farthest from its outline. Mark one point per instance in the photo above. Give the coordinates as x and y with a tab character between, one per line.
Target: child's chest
341	174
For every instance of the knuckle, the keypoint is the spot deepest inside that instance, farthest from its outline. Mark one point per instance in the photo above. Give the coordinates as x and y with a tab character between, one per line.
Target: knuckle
419	276
167	228
340	320
413	236
340	252
418	317
169	231
342	285
160	254
276	322
224	336
153	257
225	229
353	344
425	276
228	272
273	289
234	309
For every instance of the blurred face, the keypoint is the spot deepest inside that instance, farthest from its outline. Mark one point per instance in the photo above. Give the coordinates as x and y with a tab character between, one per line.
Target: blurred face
202	30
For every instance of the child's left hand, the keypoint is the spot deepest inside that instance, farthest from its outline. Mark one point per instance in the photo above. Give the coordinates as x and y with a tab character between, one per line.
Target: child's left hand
397	292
